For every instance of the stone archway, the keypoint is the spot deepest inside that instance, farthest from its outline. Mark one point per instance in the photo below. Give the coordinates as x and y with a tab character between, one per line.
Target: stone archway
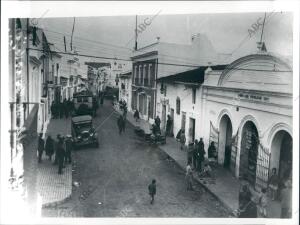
282	154
225	141
249	152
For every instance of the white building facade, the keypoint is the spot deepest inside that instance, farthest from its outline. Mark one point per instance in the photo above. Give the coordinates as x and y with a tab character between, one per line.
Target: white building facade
248	108
125	81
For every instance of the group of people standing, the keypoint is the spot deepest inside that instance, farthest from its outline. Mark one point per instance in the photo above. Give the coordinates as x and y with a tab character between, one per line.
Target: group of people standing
251	207
62	109
61	148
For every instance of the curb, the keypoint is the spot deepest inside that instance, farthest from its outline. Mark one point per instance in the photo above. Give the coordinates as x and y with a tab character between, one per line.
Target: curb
56	203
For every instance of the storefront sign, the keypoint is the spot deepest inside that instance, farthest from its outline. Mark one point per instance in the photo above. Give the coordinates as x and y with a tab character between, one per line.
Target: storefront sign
254	97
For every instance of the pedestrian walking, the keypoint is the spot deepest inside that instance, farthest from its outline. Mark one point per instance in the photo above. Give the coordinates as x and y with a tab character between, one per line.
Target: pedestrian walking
169	126
123	124
157	122
61	110
182	139
152	190
69	149
200	154
41	147
273	183
53	113
49	147
60	155
66	108
189	177
120	124
212	151
195	154
125	111
286	200
263	203
56	144
136	115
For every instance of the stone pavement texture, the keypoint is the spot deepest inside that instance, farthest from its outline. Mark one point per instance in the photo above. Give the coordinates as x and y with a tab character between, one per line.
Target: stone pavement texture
52	187
113	179
225	186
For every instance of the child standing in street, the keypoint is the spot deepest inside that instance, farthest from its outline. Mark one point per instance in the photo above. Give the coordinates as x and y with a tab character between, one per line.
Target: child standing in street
152	190
263	203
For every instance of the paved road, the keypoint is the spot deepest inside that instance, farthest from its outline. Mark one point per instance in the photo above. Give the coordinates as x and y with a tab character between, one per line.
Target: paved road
114	180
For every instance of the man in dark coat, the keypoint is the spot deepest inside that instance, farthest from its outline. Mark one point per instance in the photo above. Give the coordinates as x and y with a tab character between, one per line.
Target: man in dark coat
195	154
53	113
60	155
157	122
120	124
66	108
41	146
56	143
49	147
169	126
69	148
61	109
212	151
152	190
201	153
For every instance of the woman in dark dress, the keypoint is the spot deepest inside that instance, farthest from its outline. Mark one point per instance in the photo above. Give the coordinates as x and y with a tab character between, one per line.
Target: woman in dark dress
212	151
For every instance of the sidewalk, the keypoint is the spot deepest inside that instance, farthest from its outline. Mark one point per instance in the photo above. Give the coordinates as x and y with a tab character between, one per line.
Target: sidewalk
225	186
52	187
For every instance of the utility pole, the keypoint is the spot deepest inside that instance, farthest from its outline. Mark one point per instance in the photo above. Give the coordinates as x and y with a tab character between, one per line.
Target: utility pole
65	43
135	43
72	34
27	65
12	23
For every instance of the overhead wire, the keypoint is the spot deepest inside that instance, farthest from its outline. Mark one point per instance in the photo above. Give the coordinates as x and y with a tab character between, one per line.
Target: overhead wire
160	63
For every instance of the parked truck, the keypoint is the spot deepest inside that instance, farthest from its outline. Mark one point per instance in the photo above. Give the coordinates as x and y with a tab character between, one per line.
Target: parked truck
85	103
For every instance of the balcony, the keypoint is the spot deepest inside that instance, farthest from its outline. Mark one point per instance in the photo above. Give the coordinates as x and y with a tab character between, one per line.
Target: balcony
146	82
136	81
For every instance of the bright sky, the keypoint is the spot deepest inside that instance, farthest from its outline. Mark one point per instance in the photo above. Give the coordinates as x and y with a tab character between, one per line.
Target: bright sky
227	32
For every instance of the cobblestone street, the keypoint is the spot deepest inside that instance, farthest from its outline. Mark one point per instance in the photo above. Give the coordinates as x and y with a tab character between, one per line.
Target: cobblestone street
114	179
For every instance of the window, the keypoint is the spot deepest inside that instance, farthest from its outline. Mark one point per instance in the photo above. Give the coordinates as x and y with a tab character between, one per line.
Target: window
149	72
145	76
194	95
178	105
135	74
140	74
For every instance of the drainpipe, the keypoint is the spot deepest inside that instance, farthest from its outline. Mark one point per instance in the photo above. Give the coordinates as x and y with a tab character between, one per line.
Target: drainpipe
155	96
27	64
13	94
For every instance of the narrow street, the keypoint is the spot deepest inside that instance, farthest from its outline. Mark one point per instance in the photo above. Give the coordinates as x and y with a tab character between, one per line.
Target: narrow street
114	179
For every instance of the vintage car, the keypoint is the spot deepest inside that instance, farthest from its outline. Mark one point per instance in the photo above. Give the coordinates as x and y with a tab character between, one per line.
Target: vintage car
83	132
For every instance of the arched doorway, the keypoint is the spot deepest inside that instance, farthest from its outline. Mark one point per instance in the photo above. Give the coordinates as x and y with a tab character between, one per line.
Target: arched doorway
282	154
249	151
225	141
